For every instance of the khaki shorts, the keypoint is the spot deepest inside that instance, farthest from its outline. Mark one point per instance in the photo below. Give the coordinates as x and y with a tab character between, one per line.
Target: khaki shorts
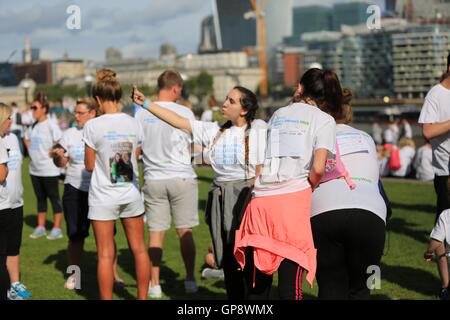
108	213
178	197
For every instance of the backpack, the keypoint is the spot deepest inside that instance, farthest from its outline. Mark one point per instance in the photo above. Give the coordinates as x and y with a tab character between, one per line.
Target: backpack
394	160
335	169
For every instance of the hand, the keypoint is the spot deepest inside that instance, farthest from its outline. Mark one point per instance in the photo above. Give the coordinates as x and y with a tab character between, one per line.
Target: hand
57	152
138	97
428	256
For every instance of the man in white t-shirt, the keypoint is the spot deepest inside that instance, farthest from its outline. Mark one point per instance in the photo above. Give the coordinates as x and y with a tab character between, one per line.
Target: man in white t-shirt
435	118
170	188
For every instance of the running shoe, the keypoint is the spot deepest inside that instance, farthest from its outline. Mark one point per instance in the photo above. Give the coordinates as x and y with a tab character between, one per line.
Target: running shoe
12	295
38	232
20	289
55	234
190	286
209	273
71	282
155	292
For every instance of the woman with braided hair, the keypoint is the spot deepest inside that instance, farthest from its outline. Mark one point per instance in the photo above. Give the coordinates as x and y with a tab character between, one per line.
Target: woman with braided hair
235	151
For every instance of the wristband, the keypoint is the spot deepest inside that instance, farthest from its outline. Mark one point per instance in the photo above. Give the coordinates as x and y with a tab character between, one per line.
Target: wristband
146	104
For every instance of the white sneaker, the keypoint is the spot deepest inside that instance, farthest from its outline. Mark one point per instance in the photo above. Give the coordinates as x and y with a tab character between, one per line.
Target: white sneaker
209	273
155	292
71	282
190	286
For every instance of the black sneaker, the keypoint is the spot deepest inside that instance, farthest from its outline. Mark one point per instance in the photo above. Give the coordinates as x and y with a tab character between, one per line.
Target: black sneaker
444	294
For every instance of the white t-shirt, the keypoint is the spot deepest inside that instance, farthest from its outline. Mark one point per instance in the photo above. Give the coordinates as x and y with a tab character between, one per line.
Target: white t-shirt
76	174
5	203
43	136
423	163
114	137
407	154
295	132
359	155
14	179
227	154
441	231
436	110
166	150
207	115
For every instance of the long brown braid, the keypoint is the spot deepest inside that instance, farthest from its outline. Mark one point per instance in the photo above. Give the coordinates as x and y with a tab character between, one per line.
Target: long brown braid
249	103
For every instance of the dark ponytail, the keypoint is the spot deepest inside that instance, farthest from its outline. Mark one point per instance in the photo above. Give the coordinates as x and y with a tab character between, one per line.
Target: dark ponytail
323	87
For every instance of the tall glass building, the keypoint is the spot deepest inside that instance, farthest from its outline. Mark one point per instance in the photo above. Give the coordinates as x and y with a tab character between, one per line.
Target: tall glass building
310	19
234	31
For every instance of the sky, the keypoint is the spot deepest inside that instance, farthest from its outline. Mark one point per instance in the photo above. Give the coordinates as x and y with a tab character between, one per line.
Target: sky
136	27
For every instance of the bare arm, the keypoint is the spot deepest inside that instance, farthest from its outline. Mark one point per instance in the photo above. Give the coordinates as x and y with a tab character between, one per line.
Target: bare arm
89	158
138	152
318	167
164	114
3	172
258	170
434	130
26	142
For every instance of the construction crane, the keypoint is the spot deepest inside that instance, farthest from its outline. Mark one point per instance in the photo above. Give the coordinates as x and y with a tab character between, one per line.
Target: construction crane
258	13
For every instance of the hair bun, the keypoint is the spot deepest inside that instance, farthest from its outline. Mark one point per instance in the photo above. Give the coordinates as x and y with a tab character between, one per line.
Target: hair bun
106	75
347	96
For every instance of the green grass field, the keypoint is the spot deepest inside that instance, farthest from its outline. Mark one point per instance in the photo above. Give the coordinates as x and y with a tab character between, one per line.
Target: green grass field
404	273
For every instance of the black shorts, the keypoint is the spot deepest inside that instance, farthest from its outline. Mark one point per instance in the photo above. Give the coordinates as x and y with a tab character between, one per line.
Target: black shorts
76	208
11	222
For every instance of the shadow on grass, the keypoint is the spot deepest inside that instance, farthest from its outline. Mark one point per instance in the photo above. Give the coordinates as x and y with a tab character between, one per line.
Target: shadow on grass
172	284
413	279
30	219
401	226
427	208
89	285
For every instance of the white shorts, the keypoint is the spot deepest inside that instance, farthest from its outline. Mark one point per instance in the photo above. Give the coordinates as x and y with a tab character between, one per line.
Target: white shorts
164	199
108	213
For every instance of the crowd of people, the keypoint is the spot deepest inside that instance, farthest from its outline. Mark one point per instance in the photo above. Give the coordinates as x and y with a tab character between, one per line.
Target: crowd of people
269	208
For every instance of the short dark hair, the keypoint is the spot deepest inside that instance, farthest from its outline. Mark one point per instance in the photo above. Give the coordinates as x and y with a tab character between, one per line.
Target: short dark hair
168	79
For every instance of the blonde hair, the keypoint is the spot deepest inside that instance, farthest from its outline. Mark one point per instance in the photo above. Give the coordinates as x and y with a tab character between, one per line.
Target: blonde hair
5	112
406	142
90	103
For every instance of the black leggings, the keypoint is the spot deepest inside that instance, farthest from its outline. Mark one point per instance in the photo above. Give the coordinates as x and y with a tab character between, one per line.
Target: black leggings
348	242
46	187
258	284
441	188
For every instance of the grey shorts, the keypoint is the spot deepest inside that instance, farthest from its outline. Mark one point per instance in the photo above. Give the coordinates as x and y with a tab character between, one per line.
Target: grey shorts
177	198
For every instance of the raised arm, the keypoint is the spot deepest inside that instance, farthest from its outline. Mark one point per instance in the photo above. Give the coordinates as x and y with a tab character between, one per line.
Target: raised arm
164	114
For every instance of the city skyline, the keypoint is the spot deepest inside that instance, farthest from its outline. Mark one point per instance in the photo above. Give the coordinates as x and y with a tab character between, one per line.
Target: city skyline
117	25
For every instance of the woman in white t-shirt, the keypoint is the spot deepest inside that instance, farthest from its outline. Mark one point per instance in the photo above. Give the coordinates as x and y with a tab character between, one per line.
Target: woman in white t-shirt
15	193
349	224
235	151
275	234
8	231
114	190
39	140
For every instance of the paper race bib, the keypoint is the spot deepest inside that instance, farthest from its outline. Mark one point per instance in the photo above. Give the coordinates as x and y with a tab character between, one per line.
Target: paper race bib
351	143
287	138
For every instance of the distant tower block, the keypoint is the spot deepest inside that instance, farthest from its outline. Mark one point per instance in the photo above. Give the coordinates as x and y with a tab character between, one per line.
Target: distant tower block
27	50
